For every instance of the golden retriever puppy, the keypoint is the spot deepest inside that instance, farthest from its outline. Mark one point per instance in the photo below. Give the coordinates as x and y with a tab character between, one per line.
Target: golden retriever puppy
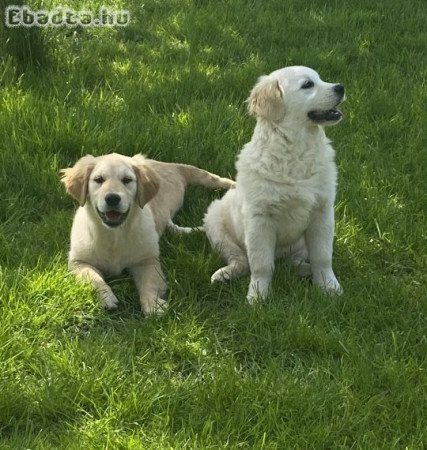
283	203
125	205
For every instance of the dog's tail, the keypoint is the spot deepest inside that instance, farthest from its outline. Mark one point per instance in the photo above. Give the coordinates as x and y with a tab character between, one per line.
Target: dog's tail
194	175
183	230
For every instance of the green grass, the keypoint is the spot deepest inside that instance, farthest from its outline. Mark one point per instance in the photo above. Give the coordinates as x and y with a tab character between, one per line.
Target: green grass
300	371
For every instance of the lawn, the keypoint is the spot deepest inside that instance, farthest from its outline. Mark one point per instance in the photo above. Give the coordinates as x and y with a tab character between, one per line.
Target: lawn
301	370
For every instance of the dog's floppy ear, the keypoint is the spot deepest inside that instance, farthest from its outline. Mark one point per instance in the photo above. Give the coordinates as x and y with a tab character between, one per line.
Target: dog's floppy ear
148	183
76	178
266	99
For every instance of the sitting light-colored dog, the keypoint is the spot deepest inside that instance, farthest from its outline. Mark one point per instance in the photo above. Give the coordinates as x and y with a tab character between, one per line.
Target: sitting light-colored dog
125	205
283	203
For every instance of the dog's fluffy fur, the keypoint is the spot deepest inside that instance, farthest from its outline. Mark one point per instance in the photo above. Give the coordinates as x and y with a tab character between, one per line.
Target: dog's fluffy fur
125	205
283	203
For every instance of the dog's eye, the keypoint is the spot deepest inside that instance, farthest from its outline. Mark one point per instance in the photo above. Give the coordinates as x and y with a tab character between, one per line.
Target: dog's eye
307	85
126	180
99	180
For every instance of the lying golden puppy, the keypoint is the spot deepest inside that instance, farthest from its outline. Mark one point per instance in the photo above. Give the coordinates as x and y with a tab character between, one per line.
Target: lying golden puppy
125	205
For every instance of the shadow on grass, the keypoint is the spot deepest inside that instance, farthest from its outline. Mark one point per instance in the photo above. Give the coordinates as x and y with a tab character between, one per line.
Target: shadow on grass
27	46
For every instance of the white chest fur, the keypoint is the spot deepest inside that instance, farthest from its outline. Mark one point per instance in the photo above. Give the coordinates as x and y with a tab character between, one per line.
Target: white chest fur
286	183
109	250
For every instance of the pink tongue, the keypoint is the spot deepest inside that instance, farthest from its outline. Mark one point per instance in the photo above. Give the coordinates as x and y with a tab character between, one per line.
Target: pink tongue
113	215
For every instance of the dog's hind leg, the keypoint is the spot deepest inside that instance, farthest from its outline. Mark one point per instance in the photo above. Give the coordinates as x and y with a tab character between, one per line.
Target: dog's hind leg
220	239
235	268
297	254
194	175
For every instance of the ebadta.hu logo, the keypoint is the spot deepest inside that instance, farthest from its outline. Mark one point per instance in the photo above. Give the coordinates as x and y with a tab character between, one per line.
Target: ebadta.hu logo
24	16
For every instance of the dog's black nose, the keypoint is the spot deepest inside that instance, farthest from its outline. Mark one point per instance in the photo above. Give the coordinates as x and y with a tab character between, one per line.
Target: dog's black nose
339	89
112	199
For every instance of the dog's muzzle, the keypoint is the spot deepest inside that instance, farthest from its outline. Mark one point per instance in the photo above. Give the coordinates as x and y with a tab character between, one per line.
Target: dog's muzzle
112	218
329	115
333	115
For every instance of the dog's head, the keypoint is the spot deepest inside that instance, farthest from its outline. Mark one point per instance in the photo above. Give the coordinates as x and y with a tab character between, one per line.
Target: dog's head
298	96
112	185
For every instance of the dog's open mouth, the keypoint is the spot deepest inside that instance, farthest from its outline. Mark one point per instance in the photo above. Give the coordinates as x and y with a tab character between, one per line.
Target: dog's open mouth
330	115
113	218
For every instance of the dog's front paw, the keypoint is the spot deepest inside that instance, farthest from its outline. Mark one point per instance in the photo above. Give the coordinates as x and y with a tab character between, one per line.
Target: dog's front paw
154	306
330	285
333	288
253	298
328	282
258	291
